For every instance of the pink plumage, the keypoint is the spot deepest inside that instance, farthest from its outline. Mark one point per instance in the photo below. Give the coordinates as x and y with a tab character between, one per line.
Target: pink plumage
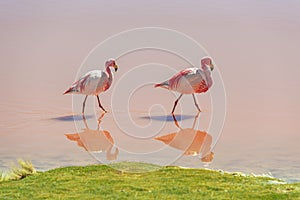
190	81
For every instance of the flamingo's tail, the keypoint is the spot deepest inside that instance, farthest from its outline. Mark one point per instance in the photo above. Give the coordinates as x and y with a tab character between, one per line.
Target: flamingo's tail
157	85
163	85
70	90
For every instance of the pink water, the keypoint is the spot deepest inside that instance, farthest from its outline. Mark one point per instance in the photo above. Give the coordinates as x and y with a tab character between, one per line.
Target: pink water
254	44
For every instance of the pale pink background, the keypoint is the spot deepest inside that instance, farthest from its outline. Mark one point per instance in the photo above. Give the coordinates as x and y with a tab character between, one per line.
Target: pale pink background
255	44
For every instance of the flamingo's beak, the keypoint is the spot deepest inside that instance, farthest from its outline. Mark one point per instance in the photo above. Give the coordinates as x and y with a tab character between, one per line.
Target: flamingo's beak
211	67
116	67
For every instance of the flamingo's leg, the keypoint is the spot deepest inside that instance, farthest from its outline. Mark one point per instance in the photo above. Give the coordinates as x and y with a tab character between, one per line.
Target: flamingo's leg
99	119
84	121
196	104
176	122
100	104
84	104
175	103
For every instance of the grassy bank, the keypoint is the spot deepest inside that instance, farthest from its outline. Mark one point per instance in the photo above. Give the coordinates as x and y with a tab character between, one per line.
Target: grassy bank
103	182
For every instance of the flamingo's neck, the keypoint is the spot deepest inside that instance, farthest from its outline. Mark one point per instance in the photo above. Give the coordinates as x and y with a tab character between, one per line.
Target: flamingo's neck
207	73
109	72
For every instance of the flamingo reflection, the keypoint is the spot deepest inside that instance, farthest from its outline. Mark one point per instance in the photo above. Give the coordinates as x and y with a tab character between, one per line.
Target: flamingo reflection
95	140
192	142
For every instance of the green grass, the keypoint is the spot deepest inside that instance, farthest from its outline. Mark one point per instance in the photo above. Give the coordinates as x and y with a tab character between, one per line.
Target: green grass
103	182
17	172
3	176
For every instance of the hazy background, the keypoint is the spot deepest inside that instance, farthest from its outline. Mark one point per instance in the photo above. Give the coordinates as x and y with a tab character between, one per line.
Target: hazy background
255	44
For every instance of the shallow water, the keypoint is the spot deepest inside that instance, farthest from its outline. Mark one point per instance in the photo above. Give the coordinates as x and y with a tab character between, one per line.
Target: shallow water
49	139
255	45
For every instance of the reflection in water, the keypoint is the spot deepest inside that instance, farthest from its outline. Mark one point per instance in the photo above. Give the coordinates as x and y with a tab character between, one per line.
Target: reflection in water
190	141
72	117
168	117
95	140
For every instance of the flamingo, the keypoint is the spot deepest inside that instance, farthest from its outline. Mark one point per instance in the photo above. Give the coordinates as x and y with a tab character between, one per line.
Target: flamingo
190	81
94	82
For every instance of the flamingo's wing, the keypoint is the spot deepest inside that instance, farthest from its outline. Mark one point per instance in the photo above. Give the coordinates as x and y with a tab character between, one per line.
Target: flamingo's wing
93	82
199	82
97	81
174	80
78	86
192	81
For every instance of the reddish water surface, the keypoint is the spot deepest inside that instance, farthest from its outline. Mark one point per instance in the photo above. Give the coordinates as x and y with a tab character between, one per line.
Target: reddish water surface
255	46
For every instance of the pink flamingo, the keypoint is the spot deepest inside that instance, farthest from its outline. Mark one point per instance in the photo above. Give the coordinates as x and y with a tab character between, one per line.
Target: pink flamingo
190	81
93	83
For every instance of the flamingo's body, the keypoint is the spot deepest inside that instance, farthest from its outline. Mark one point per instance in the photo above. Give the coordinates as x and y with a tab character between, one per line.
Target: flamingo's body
94	83
191	81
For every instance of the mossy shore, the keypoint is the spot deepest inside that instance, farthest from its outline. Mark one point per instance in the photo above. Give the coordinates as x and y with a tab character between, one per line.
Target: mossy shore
103	182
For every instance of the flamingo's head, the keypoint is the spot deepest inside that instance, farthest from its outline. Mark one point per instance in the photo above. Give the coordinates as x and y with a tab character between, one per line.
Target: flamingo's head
111	63
207	61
